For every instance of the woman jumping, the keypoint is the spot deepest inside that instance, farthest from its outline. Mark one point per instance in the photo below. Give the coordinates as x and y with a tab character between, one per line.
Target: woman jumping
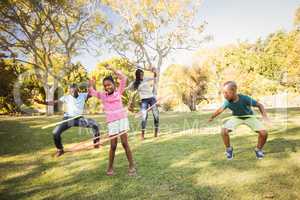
145	90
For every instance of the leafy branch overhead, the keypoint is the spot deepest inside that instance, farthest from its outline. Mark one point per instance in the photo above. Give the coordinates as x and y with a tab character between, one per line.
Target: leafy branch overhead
148	31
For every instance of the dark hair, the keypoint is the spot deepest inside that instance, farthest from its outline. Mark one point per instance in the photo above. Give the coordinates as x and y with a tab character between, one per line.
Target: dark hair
73	85
138	80
109	78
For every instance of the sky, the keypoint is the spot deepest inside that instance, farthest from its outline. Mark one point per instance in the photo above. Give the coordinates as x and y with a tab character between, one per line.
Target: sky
228	22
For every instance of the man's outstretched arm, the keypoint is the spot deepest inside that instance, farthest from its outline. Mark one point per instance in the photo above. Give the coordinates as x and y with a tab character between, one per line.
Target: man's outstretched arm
50	103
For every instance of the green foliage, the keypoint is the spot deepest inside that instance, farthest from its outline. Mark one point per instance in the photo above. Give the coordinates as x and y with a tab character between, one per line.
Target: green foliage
8	76
9	72
168	105
187	84
30	86
266	67
148	32
275	59
79	75
46	35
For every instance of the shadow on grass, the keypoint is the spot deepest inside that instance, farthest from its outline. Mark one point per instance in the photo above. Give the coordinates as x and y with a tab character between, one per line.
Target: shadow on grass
17	137
160	176
170	167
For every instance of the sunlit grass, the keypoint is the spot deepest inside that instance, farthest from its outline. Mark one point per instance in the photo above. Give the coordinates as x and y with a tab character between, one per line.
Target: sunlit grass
185	162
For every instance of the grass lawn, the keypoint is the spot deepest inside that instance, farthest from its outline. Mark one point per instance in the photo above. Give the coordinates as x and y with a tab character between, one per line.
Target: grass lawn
186	162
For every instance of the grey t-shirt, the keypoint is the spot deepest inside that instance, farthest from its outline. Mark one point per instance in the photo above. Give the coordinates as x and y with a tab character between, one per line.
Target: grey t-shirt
145	88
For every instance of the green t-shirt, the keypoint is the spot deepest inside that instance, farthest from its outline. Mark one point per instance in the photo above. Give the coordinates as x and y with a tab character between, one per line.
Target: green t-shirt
242	106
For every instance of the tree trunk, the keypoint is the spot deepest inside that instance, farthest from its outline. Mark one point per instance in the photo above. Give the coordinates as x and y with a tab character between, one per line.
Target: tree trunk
156	82
49	98
49	91
192	108
193	104
189	102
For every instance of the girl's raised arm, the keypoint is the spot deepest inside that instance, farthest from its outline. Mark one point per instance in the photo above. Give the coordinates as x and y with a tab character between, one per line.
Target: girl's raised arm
91	91
123	79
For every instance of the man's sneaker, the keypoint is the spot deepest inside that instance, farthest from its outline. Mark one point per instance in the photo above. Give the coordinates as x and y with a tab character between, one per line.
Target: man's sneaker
59	152
229	153
259	154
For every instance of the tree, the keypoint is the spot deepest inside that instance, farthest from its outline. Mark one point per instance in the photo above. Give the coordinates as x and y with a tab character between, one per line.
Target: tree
78	75
195	87
46	34
215	63
9	72
190	88
245	63
147	32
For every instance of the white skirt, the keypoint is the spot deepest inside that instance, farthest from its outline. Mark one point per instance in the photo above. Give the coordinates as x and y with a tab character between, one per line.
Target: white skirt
118	126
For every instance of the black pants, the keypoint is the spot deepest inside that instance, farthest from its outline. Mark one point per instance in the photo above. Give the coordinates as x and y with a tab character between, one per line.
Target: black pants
79	122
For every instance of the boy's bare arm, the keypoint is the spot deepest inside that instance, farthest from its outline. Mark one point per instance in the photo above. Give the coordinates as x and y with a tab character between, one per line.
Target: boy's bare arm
262	110
216	113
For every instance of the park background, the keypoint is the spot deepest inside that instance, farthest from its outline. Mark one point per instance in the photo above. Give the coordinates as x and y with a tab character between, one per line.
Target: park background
195	46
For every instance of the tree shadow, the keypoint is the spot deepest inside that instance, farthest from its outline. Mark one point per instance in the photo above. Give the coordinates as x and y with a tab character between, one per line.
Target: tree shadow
23	137
172	167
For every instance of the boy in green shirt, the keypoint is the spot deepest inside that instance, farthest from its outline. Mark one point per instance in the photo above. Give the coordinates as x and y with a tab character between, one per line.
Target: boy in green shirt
240	105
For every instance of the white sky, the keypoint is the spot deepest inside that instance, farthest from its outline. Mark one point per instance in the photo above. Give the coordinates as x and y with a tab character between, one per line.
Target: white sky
228	22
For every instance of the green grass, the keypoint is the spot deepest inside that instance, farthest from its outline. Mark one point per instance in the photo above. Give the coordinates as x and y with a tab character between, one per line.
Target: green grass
186	162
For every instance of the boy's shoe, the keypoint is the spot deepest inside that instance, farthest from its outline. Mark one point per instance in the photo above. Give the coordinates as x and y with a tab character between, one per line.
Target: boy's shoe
229	153
259	154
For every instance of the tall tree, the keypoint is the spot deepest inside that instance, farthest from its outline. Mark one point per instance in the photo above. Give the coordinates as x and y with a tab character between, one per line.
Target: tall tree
190	88
46	34
147	32
9	72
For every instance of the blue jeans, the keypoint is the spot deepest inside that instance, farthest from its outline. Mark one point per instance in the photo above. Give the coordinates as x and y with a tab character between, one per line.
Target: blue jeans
146	103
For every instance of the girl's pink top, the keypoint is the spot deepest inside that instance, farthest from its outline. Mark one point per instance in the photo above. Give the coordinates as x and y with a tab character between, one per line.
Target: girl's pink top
112	104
